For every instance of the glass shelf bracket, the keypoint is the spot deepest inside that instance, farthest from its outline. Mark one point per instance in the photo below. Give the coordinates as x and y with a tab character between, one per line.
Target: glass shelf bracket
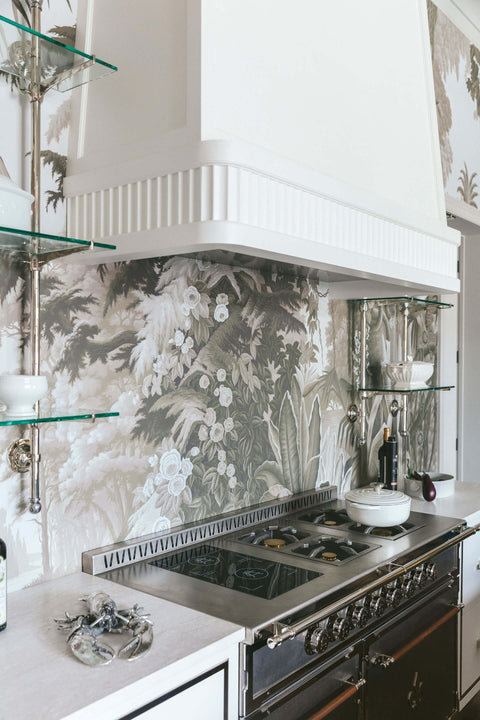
26	245
39	63
354	412
60	66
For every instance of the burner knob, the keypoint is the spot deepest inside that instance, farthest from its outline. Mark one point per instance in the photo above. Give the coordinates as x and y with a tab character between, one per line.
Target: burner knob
409	587
393	596
377	605
338	627
316	640
419	576
431	571
358	615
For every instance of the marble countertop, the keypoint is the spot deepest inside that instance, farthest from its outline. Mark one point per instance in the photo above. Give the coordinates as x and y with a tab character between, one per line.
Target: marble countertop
463	504
41	678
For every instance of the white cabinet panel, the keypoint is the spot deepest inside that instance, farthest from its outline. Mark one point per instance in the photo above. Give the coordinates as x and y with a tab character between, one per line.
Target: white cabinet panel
203	700
470	670
470	569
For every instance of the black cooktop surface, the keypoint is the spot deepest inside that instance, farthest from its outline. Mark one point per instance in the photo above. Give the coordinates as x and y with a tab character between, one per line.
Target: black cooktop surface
261	577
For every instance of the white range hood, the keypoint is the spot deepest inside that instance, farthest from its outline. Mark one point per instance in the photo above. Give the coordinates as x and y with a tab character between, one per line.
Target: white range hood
285	131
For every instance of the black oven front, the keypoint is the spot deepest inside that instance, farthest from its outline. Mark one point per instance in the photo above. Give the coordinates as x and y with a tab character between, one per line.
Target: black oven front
334	668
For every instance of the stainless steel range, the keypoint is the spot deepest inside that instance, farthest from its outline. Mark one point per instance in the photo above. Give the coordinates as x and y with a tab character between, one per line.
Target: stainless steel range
328	604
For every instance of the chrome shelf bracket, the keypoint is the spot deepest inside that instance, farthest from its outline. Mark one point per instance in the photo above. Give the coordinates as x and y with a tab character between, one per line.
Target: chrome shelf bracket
20	456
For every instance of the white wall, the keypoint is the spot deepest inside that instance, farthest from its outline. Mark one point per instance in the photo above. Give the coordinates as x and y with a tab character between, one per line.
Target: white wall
469	345
343	87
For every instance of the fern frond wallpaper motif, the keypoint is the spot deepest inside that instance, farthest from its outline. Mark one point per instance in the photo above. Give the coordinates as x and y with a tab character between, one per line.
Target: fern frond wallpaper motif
456	63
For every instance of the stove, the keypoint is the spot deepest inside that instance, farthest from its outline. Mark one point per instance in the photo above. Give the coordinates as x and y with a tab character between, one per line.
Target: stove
297	570
328	559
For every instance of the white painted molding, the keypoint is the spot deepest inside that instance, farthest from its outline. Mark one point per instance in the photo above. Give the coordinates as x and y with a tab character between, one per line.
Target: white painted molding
241	209
462	210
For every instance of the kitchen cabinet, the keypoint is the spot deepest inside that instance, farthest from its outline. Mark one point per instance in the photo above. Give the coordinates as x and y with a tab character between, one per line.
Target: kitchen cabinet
470	621
36	64
240	145
204	698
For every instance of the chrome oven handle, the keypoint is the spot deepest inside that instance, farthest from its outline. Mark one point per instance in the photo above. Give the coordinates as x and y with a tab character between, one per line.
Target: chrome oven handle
384	661
288	632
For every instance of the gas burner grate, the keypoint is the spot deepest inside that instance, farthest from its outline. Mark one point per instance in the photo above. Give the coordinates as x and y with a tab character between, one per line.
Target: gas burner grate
327	518
273	536
390	533
334	551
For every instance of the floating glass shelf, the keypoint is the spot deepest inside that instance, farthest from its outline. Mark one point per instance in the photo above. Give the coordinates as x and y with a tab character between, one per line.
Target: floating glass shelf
59	416
393	391
61	66
419	302
42	246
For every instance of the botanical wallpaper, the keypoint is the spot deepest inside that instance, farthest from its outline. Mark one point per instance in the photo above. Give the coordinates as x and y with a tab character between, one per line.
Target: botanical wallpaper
456	64
231	384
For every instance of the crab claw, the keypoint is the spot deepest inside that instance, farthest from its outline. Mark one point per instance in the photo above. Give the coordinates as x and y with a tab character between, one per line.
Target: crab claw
88	650
141	642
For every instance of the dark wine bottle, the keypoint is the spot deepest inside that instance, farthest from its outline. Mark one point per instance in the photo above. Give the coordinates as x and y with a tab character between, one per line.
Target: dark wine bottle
3	585
391	462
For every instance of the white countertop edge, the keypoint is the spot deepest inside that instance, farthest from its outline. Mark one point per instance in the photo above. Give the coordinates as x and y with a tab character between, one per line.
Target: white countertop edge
158	683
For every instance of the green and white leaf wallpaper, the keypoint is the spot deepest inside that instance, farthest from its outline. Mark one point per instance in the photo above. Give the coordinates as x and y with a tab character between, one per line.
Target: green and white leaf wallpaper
232	384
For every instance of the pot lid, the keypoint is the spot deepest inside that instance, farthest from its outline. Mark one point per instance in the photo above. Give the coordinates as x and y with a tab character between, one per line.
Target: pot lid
377	495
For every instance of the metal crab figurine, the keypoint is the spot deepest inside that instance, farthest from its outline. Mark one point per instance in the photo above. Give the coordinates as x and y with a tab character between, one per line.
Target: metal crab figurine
103	616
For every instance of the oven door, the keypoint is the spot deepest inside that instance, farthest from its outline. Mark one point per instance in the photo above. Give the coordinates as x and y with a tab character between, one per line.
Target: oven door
412	666
332	691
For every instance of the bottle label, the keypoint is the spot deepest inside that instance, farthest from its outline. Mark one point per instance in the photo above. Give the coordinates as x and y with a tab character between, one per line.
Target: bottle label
3	591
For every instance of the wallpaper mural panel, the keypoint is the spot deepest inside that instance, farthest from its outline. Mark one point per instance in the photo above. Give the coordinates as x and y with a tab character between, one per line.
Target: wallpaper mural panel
232	384
232	387
456	64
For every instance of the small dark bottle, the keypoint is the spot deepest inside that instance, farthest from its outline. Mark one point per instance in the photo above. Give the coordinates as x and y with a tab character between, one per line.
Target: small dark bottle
391	463
3	585
388	460
382	459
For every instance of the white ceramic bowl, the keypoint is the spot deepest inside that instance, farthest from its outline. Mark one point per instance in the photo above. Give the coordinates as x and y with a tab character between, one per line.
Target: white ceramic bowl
20	392
410	374
444	485
15	205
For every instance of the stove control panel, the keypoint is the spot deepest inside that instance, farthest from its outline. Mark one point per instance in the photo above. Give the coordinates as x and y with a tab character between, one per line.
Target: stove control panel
384	600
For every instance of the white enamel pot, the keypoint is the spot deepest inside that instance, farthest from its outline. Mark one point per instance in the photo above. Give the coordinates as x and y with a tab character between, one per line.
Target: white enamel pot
377	506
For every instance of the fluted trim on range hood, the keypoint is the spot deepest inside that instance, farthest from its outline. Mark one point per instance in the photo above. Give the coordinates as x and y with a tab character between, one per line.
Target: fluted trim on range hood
232	196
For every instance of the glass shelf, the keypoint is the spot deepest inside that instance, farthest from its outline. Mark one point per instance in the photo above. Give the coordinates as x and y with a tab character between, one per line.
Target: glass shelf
61	66
42	246
393	391
59	416
419	302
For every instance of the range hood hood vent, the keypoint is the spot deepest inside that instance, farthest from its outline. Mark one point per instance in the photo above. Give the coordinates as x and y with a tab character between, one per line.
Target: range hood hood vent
297	146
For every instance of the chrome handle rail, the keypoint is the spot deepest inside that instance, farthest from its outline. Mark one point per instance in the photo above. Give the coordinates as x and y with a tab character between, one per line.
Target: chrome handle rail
287	632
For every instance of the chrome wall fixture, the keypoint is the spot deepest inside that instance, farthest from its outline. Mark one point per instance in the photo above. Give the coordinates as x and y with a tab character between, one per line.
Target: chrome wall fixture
24	62
355	411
